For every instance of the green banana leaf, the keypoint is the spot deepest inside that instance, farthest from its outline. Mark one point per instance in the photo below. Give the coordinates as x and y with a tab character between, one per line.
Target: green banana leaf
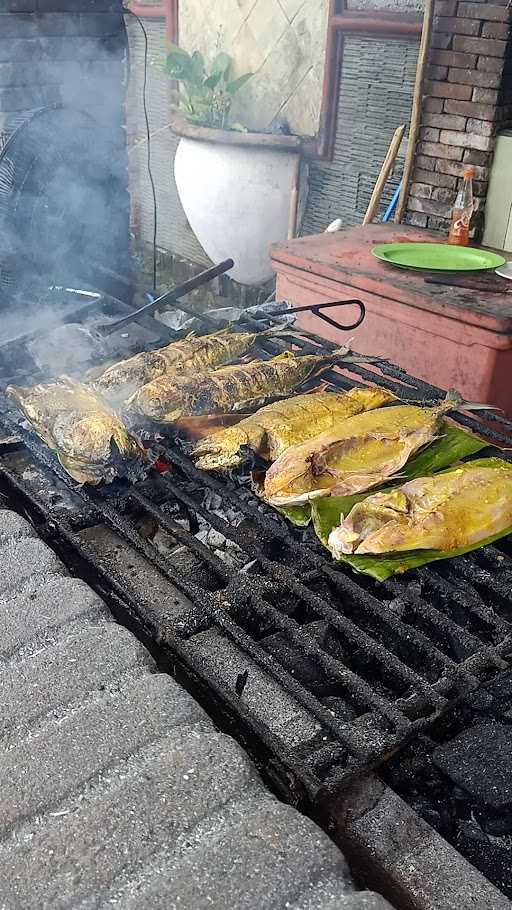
300	516
383	567
453	445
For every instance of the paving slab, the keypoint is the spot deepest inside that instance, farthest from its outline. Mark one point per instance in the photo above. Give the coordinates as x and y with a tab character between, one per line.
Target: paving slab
117	790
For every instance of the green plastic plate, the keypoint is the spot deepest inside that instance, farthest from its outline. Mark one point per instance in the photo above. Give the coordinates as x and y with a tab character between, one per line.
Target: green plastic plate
437	257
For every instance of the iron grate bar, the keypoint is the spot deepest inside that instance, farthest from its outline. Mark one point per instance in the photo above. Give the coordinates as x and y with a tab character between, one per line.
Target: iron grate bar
358	636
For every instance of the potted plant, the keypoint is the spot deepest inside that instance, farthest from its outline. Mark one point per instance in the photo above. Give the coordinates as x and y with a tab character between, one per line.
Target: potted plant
238	188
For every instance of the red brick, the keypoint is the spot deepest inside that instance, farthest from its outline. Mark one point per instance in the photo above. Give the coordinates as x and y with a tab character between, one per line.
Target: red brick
445	121
434	178
480	127
427	164
465	140
489	46
449	90
430	206
438	73
428	134
490	64
474	77
438	224
452	58
437	150
496	30
442	194
478	159
489	11
433	105
439	40
455	169
454	25
485	95
446	7
421	190
470	109
416	219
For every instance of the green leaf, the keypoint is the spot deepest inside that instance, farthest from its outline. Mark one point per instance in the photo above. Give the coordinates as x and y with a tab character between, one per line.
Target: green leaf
239	128
212	81
300	516
233	87
221	65
198	66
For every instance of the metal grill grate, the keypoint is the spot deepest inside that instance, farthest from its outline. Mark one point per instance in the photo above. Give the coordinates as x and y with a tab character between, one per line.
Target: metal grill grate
371	664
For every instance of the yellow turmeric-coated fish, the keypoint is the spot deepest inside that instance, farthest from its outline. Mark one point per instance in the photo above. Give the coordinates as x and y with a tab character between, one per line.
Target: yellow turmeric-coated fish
357	455
449	511
233	388
88	437
276	427
197	352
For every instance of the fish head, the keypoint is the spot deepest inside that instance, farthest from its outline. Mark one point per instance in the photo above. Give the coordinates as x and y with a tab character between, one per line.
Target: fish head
222	451
156	401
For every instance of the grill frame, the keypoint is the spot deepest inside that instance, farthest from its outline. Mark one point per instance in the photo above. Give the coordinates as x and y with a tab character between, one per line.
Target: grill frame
343	751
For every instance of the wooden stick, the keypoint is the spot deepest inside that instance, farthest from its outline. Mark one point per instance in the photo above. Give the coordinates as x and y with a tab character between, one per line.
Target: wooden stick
294	200
417	105
385	171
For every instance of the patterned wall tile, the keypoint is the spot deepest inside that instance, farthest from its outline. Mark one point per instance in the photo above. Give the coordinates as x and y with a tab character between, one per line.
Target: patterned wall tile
281	41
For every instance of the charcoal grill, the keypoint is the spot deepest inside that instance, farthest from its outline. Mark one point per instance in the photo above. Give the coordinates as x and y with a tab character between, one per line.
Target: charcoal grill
371	664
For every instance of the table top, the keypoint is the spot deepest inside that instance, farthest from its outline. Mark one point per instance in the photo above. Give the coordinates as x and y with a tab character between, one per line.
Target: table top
346	257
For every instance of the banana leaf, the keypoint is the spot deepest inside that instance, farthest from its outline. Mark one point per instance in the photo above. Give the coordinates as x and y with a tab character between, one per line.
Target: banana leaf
383	567
453	445
300	516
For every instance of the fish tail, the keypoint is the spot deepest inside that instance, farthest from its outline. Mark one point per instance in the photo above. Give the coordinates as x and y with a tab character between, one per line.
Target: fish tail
454	400
344	354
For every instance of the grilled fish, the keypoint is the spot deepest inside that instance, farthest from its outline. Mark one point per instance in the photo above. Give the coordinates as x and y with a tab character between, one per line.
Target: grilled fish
448	511
357	455
276	427
89	439
233	388
197	352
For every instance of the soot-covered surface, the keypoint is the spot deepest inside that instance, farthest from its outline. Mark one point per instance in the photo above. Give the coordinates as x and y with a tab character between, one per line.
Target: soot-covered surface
458	778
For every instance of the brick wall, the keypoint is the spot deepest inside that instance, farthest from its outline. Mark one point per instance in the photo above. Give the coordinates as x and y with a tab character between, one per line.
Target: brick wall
468	99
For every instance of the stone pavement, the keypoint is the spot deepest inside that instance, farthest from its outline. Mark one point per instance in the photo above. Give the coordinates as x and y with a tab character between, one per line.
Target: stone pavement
116	788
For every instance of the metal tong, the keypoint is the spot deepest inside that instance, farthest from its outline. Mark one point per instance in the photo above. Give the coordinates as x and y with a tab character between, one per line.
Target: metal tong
169	297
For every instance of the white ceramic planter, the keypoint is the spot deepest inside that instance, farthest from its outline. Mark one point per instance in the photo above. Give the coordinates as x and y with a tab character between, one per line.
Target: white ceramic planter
237	195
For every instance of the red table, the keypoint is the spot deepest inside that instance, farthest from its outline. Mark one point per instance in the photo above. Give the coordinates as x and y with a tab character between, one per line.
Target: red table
450	337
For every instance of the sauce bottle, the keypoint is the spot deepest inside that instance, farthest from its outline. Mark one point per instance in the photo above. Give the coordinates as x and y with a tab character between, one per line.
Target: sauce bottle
462	211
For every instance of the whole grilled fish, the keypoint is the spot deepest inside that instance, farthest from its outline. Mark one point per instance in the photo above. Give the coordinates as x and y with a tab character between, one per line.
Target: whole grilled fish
448	511
357	455
89	439
276	427
197	352
233	388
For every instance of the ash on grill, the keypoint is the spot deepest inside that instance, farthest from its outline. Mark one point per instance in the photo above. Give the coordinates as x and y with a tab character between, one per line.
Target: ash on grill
372	666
